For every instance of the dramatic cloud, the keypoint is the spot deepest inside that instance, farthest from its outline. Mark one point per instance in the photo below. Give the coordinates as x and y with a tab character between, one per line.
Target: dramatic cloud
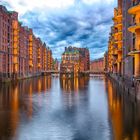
23	6
60	23
98	1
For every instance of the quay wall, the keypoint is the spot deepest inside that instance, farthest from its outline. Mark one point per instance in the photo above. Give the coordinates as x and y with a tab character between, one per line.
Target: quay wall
127	86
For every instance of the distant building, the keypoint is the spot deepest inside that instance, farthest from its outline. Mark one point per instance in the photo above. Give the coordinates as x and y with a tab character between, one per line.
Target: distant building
84	59
97	66
49	59
55	65
106	62
75	60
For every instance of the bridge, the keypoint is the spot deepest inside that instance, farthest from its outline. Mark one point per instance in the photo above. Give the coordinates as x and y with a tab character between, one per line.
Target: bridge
50	72
59	72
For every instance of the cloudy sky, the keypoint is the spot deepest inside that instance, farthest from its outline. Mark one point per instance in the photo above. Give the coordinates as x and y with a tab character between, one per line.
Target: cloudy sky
60	23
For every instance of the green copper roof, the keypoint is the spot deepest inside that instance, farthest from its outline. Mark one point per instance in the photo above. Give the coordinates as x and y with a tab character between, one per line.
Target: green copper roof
71	52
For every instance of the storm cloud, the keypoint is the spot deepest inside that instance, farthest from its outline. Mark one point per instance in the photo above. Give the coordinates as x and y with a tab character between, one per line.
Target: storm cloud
82	23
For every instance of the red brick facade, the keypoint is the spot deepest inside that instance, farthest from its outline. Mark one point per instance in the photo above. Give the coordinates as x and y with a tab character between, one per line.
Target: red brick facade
97	66
75	60
21	52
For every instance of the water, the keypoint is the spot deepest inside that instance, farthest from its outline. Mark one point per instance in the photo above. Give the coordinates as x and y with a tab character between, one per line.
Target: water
48	108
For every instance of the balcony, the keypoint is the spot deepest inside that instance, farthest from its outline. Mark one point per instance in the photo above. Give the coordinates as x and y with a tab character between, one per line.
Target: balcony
117	17
119	60
119	32
115	36
30	64
30	38
117	13
15	24
135	9
119	48
30	50
15	60
15	33
134	27
15	51
114	52
115	61
118	24
30	44
39	65
118	41
15	39
133	52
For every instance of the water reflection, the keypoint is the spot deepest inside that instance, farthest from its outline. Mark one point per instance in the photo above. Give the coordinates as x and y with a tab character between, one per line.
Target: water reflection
67	109
124	114
16	100
74	84
9	108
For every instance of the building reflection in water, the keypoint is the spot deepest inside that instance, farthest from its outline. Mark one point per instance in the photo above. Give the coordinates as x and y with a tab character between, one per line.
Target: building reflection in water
73	84
124	114
9	109
13	101
71	88
61	103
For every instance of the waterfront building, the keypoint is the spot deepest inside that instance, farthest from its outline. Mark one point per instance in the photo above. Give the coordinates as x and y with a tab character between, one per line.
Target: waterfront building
128	43
70	60
134	28
22	54
84	59
115	44
8	42
75	60
124	45
121	42
49	59
23	51
106	62
44	57
97	66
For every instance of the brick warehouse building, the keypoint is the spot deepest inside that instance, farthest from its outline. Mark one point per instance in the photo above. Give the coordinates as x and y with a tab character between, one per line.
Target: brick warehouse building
106	62
75	60
128	30
124	45
97	66
22	54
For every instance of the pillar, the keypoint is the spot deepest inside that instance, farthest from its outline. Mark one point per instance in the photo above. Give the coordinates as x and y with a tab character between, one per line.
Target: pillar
137	65
15	47
137	56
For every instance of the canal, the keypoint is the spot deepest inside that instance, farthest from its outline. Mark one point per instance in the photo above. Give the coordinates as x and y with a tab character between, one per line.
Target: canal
86	108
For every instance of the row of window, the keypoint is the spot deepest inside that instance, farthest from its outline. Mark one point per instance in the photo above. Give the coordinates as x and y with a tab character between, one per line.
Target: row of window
70	58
